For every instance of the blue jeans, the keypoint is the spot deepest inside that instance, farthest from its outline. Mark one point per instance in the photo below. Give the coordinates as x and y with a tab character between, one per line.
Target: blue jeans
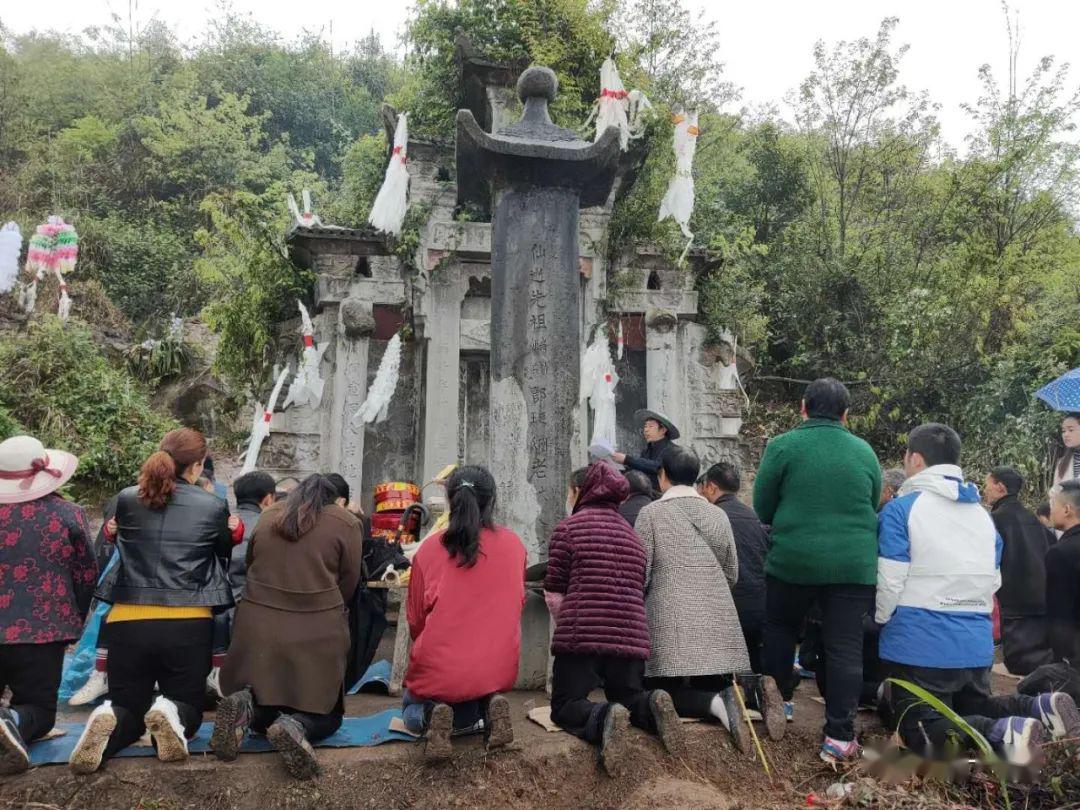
416	711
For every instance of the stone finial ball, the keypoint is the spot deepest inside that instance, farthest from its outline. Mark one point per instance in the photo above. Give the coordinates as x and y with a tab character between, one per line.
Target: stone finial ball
537	81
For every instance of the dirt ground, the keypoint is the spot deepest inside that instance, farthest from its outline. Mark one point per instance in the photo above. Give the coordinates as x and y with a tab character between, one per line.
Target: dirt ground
549	770
542	769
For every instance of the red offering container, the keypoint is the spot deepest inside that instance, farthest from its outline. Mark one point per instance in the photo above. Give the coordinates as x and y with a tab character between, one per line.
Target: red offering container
385	520
397	490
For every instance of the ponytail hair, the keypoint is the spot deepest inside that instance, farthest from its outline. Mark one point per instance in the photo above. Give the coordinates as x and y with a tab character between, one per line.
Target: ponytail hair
471	491
304	505
179	449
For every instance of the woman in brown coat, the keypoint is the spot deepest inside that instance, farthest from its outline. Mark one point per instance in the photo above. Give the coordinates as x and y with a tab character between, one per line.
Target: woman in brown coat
286	664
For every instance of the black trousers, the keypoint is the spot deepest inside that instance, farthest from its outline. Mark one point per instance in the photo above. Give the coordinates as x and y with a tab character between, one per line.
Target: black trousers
573	677
32	672
223	623
316	726
174	653
692	696
1025	643
842	609
966	691
752	623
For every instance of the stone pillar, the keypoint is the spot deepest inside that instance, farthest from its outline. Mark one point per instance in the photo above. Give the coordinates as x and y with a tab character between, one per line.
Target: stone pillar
664	371
346	450
442	334
535	351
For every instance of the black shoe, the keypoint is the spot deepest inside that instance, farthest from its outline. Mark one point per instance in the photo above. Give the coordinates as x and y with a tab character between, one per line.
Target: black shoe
771	706
440	726
14	758
615	742
668	726
288	738
231	724
498	728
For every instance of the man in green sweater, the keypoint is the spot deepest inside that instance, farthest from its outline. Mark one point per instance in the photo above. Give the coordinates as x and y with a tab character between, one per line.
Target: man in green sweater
818	487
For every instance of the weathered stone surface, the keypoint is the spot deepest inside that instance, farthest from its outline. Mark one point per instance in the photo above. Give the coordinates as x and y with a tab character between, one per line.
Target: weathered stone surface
357	320
661	320
679	302
536	339
335	289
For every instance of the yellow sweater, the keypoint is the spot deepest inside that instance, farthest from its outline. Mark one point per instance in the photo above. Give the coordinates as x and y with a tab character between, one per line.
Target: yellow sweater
135	613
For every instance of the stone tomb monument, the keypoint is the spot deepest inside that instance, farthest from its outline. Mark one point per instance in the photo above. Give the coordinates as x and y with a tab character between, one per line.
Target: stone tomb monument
539	175
444	298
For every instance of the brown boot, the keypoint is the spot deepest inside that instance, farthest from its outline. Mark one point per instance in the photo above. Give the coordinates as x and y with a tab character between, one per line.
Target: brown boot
440	725
615	744
288	738
668	726
498	728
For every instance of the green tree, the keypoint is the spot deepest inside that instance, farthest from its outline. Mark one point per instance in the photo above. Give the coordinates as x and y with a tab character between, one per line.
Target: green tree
255	286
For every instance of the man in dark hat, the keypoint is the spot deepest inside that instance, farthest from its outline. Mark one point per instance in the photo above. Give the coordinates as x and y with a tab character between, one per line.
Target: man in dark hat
660	433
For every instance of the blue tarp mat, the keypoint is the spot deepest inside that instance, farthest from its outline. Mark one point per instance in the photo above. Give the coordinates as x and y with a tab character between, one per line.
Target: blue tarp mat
355	732
376	679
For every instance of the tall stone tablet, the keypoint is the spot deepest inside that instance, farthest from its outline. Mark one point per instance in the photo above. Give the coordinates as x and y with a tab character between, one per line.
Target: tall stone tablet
535	176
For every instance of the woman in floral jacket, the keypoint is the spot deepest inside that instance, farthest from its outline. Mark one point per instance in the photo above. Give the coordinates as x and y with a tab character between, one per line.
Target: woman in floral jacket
47	577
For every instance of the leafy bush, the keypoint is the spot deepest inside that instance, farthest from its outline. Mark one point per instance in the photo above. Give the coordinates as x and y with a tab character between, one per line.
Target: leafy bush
156	360
68	395
362	175
9	426
256	287
145	268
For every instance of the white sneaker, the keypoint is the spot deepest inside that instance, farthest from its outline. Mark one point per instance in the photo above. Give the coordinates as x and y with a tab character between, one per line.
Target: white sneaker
1021	740
163	722
88	751
96	686
213	683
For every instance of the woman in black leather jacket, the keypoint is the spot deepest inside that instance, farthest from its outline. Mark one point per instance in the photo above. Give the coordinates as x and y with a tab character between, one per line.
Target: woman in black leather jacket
174	543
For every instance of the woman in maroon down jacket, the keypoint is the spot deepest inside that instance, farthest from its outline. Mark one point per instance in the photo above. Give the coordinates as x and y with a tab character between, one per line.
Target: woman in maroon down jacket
596	563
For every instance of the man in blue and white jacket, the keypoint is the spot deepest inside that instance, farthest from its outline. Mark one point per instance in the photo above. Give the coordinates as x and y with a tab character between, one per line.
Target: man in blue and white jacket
938	568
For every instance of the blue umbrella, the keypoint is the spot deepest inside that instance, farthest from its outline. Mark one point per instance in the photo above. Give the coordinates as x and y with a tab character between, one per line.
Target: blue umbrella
1063	394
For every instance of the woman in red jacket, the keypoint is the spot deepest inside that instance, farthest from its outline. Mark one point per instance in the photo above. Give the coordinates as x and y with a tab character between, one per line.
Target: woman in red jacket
466	593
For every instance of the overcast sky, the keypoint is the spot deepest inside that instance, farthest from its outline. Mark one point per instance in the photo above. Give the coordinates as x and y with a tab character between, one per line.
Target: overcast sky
766	44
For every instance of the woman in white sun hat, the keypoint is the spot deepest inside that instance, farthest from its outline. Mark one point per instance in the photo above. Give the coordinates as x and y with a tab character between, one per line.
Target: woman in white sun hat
47	577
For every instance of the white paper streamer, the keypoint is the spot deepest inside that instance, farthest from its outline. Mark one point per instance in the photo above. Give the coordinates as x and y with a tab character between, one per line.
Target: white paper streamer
377	405
618	108
64	307
260	428
598	381
10	248
307	386
388	212
305	219
678	202
613	104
